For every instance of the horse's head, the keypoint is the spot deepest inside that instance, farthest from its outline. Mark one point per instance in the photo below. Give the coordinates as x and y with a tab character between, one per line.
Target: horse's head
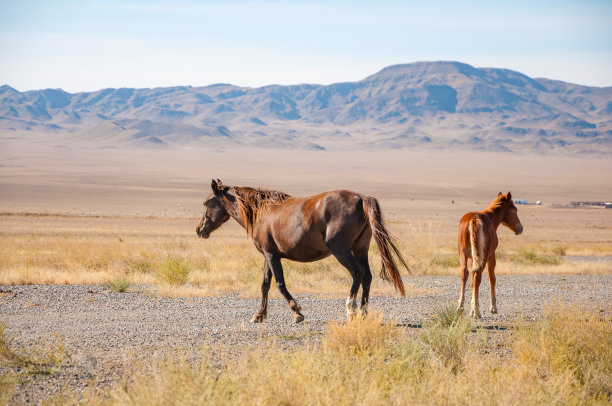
510	216
215	210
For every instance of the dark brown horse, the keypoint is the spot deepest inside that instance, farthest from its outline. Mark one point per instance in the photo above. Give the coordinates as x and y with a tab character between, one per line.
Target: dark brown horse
478	241
305	229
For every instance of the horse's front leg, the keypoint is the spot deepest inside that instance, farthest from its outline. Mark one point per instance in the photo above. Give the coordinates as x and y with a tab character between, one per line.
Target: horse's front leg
261	315
274	262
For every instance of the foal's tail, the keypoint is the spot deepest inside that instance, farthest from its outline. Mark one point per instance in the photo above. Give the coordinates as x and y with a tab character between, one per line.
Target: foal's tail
385	244
477	241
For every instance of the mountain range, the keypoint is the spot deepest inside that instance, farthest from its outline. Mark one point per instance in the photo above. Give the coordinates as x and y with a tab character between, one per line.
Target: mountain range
439	105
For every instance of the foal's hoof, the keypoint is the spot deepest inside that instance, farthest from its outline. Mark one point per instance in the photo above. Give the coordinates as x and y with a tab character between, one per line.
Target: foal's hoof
298	318
258	318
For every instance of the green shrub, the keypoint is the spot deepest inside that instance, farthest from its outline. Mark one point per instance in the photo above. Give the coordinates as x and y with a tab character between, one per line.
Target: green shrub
173	270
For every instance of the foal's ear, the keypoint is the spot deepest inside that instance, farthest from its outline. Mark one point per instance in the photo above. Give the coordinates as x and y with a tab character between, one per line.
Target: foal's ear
509	196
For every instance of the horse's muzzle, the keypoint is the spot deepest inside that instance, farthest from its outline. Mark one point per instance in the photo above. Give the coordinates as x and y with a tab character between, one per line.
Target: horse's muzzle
201	233
518	229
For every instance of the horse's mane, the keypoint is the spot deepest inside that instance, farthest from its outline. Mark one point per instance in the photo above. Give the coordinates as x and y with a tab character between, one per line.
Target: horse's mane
496	204
254	201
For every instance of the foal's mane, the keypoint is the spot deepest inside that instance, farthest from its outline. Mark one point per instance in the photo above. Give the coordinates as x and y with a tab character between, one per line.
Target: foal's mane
496	204
254	201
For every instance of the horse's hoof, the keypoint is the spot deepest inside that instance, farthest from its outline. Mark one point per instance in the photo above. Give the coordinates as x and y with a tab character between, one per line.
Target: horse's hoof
258	318
298	318
493	310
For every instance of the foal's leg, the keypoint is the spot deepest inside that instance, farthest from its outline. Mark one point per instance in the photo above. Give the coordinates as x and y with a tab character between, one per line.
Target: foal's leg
274	262
476	277
261	315
348	260
491	268
464	278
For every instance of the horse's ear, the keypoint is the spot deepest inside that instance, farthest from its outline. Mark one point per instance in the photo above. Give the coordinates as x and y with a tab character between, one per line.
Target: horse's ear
509	196
214	186
499	194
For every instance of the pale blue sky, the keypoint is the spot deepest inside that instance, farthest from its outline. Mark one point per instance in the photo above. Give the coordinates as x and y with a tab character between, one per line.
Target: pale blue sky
89	45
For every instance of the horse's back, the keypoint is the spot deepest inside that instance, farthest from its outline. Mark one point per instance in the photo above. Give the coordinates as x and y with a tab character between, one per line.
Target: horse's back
302	227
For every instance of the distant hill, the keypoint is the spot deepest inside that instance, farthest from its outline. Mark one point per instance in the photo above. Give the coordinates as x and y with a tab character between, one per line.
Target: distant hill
445	105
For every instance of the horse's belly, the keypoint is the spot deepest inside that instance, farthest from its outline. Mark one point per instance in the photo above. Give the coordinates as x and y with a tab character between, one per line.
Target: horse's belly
305	252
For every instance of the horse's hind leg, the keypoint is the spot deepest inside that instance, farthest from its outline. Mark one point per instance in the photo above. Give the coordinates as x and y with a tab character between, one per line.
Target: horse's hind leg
366	281
348	260
491	268
476	278
261	315
274	263
464	278
360	250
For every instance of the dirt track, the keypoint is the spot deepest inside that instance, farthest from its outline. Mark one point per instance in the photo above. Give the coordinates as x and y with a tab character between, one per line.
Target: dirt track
103	329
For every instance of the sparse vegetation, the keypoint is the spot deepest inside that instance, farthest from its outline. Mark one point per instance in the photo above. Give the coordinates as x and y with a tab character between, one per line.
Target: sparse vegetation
565	357
87	250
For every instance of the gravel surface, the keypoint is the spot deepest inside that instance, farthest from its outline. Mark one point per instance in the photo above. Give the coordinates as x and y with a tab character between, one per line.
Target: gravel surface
103	330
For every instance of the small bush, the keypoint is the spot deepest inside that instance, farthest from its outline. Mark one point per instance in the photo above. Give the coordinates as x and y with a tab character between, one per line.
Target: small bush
120	283
173	270
558	250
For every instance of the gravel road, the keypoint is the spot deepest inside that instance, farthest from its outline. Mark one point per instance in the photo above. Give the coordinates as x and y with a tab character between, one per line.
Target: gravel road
103	329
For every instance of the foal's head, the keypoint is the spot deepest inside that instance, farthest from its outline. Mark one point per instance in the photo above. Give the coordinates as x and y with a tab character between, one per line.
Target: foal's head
509	213
215	210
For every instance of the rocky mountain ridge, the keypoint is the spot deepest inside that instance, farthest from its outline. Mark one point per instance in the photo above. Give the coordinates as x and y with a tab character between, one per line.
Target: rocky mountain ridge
418	105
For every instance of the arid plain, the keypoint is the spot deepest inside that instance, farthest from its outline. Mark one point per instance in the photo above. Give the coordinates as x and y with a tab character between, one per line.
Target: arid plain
124	220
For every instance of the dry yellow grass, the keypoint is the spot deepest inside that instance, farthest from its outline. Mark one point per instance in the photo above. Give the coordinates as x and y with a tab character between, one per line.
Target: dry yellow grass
165	254
565	357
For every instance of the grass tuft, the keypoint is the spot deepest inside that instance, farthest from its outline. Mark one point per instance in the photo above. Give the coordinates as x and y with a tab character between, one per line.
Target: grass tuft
119	283
361	335
42	358
446	337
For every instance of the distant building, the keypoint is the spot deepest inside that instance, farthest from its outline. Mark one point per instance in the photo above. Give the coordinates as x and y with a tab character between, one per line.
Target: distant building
520	201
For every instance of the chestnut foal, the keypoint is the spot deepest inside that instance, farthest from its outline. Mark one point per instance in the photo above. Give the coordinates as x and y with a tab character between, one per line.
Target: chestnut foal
478	241
305	229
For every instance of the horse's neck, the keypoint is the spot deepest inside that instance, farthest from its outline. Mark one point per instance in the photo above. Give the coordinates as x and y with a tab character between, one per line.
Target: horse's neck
234	212
495	215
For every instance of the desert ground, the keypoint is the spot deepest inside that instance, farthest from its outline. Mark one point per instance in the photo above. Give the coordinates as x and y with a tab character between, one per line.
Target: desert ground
105	287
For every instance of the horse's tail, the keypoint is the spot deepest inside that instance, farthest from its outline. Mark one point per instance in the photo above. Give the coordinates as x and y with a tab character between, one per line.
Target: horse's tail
385	244
477	241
